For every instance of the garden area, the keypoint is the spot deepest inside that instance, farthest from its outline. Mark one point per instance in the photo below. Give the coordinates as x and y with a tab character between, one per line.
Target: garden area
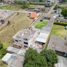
59	30
41	24
47	58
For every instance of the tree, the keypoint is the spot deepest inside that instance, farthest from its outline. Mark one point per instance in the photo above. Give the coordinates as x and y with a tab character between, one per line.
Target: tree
64	12
34	59
2	52
51	57
1	45
25	4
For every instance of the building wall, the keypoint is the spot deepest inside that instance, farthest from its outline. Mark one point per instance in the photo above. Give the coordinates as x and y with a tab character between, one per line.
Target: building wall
9	1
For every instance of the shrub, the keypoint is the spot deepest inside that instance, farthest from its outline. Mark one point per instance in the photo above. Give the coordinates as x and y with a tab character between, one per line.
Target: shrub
1	45
2	52
61	23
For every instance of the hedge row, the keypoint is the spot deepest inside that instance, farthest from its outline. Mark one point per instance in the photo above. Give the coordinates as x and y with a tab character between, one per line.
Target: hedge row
61	23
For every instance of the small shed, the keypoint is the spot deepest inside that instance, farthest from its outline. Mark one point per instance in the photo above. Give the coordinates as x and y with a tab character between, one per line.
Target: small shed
7	58
42	38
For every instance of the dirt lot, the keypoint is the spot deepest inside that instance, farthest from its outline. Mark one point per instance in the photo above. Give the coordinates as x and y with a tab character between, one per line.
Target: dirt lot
17	22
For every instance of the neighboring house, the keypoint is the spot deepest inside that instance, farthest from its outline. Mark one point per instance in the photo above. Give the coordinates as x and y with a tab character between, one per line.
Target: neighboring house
37	0
9	1
49	3
61	1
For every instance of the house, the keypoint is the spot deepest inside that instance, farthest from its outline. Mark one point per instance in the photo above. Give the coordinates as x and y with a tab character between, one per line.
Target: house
61	1
33	15
25	37
9	1
49	3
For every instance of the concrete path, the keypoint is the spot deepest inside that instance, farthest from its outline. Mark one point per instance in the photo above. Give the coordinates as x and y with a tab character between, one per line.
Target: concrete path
62	62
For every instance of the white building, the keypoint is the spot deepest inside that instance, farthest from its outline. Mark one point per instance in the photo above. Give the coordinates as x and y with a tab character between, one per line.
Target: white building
42	38
8	58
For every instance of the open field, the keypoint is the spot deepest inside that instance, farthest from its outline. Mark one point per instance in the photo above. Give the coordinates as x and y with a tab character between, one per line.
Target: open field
11	7
17	22
59	31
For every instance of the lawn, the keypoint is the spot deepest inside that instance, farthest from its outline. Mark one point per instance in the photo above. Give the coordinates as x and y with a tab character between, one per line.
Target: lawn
17	22
40	25
59	31
11	7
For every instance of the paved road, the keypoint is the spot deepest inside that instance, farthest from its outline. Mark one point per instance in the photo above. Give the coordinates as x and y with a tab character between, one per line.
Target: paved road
62	62
52	19
50	24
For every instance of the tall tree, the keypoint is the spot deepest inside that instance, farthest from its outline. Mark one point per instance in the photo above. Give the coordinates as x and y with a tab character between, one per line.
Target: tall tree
51	57
64	12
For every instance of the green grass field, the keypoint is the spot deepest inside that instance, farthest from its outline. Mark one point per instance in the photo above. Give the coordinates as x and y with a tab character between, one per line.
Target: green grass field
59	31
40	25
11	7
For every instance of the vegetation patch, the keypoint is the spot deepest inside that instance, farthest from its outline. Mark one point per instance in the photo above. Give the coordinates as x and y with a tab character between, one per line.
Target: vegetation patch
64	12
41	24
59	30
2	51
11	7
61	23
47	58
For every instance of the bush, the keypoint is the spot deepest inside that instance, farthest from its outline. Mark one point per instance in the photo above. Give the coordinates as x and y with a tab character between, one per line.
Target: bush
2	52
61	23
1	45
